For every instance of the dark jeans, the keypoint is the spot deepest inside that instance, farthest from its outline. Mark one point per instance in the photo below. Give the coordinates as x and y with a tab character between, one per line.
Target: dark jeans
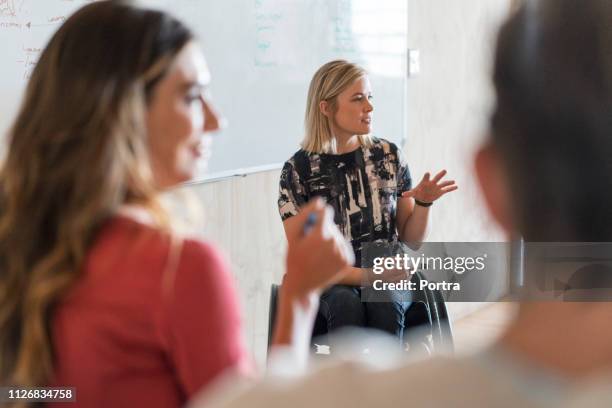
341	306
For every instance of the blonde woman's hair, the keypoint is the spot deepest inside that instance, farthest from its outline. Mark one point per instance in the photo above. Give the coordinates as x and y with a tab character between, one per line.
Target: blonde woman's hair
77	152
327	83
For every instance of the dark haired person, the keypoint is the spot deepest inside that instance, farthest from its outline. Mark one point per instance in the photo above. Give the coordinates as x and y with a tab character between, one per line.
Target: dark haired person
545	174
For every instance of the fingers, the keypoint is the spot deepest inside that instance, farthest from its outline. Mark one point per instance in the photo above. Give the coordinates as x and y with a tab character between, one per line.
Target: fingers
449	189
339	245
325	220
430	193
439	176
327	234
347	250
446	183
333	251
320	257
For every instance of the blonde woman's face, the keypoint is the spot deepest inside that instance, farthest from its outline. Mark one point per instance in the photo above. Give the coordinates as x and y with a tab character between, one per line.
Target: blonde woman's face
354	110
180	119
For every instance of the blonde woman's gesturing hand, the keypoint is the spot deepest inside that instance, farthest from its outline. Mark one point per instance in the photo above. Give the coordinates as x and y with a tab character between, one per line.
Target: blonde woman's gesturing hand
430	189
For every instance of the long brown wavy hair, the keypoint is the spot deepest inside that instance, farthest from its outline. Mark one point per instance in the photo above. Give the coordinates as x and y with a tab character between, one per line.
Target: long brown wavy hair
77	151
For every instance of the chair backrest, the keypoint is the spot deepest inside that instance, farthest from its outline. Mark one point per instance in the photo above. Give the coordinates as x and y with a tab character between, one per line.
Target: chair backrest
441	329
272	312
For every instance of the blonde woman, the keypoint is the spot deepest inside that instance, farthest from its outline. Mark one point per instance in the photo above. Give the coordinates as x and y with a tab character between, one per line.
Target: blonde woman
367	182
96	290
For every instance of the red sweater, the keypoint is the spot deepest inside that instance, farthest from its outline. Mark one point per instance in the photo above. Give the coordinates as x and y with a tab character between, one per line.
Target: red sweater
149	323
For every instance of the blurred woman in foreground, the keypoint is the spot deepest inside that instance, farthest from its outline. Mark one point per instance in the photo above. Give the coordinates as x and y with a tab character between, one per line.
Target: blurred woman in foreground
96	290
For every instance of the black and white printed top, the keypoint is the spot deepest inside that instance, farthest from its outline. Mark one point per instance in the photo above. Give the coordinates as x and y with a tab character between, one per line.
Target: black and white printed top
362	186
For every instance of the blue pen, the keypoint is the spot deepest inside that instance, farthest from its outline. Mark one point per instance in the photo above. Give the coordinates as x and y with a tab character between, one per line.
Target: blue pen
310	222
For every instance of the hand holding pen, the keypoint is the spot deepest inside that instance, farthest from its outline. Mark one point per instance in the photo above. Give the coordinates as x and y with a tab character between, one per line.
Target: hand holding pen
317	253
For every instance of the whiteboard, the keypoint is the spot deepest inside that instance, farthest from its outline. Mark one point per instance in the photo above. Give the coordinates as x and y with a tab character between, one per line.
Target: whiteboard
262	55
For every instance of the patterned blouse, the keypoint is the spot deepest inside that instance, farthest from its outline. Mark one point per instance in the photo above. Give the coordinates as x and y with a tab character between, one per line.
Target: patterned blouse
362	186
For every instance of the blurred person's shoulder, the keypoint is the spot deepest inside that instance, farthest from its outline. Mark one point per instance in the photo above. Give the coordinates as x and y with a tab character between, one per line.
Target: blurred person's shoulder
434	382
438	381
471	381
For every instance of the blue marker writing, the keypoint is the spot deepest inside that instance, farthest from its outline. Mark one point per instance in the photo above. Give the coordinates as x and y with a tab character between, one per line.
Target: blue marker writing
310	222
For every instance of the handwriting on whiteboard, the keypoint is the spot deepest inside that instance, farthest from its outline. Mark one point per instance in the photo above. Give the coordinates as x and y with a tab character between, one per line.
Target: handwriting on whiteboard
10	7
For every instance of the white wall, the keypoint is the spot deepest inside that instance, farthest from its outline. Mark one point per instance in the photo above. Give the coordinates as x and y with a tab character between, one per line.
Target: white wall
448	106
447	112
